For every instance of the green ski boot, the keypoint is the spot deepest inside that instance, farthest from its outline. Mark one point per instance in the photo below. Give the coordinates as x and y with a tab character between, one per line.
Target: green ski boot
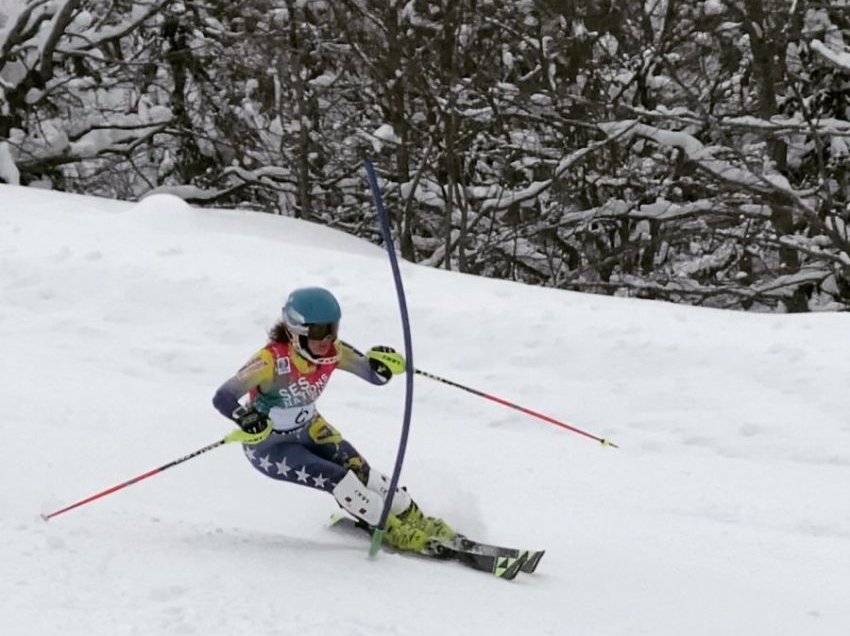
432	526
405	536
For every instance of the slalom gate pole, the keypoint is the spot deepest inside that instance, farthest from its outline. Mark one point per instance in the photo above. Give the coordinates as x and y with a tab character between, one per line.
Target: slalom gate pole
378	534
522	409
236	436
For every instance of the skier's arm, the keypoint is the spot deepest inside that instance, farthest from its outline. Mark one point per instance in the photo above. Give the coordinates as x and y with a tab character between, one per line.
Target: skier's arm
378	365
257	372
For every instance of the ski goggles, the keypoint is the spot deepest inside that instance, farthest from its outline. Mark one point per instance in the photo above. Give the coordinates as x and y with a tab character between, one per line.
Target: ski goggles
322	331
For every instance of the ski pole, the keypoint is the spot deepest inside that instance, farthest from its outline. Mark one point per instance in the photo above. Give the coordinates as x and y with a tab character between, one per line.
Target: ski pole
522	409
236	436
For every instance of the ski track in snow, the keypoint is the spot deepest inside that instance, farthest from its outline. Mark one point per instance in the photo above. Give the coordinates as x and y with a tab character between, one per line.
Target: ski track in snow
723	512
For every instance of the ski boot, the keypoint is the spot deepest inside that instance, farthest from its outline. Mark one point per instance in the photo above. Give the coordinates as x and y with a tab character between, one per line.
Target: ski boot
405	536
434	527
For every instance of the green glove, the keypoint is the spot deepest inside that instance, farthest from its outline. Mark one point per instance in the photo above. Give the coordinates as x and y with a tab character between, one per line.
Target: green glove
385	361
241	437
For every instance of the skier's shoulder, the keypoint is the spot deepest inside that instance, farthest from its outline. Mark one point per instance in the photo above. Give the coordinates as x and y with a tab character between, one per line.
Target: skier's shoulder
278	357
276	349
260	364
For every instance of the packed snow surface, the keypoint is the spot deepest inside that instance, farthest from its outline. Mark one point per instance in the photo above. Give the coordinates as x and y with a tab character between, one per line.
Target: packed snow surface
724	511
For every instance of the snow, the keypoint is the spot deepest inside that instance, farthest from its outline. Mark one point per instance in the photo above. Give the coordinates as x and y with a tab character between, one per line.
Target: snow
385	133
713	7
724	511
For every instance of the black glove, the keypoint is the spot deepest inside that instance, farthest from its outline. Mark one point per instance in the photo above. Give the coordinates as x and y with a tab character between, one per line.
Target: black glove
250	420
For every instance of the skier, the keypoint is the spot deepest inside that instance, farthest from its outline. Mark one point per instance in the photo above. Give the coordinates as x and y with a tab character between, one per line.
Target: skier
289	440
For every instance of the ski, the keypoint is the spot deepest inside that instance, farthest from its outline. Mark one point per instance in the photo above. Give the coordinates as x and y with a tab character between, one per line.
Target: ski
504	563
500	565
528	566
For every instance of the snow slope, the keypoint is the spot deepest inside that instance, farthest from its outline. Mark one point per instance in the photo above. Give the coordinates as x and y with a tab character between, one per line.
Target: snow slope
725	510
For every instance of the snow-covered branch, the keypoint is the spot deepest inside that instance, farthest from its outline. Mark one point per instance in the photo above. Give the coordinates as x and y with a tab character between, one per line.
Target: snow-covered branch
840	59
504	198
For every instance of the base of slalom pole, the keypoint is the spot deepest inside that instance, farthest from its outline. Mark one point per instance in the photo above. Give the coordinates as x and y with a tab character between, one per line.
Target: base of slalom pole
377	540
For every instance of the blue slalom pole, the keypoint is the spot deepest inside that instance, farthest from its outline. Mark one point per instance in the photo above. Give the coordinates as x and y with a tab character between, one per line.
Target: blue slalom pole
378	534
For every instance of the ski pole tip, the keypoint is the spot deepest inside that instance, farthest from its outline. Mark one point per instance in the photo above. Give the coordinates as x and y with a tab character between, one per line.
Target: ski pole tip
606	442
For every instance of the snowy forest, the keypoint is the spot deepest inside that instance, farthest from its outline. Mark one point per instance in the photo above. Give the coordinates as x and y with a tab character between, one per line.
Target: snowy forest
695	152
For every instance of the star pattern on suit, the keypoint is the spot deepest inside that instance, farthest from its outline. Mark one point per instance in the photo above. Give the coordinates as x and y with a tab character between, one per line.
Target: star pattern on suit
283	468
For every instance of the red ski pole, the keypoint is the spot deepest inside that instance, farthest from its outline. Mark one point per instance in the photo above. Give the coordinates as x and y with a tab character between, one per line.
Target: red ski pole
522	409
236	436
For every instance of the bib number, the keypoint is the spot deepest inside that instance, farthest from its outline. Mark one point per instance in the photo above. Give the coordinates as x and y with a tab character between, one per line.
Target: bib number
289	419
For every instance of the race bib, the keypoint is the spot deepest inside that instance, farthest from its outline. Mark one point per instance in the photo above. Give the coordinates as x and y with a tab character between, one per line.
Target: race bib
288	419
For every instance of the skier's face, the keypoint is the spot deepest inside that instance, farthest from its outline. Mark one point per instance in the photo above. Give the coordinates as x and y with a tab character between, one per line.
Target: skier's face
320	348
320	338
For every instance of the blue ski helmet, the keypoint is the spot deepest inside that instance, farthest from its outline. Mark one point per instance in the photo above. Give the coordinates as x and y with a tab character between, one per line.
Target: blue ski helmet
311	313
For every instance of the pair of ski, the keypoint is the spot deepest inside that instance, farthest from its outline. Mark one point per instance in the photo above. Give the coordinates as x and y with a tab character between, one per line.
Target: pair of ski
499	561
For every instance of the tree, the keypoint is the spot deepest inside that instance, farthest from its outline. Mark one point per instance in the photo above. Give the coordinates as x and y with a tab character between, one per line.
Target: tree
693	152
69	97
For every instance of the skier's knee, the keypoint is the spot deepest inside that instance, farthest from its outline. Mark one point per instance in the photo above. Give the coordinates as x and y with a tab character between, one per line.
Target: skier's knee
356	498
